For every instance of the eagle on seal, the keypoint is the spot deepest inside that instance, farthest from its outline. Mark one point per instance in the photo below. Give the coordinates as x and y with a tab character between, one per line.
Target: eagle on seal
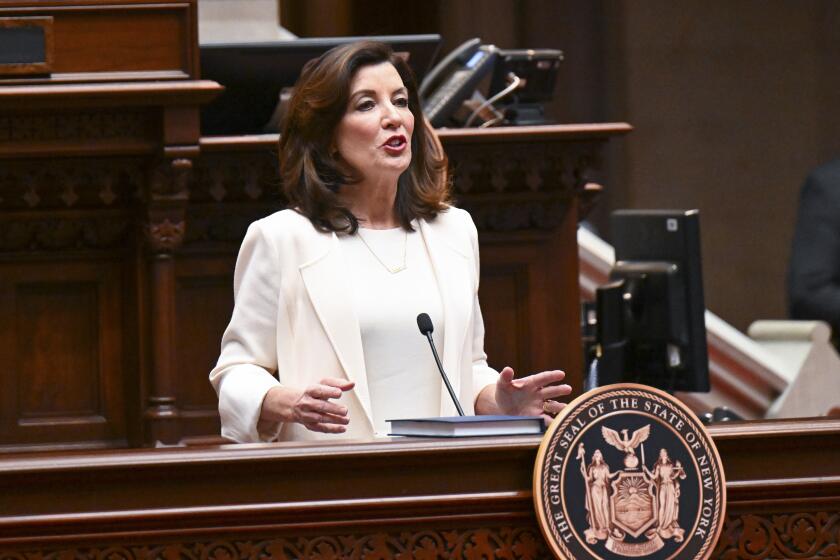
625	443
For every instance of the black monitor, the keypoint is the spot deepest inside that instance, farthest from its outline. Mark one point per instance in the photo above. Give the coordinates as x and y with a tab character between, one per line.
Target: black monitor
254	74
651	325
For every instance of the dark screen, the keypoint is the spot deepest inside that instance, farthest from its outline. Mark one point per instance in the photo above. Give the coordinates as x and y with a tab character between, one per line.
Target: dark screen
660	309
254	74
22	45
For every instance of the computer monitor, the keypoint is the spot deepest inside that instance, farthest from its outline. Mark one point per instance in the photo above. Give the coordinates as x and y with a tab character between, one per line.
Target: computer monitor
651	316
254	74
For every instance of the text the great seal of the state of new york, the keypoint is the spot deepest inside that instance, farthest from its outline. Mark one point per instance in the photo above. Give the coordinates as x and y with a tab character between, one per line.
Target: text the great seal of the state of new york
628	471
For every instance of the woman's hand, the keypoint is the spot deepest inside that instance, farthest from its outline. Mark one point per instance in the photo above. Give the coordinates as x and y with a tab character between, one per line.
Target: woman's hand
530	396
311	407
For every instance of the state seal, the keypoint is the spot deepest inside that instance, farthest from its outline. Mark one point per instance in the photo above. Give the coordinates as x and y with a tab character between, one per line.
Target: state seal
629	471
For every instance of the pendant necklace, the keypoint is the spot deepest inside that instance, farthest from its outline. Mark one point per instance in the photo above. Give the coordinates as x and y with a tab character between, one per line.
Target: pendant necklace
392	269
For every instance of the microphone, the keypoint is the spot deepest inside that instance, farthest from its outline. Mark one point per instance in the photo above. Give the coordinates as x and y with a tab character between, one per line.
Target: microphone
424	323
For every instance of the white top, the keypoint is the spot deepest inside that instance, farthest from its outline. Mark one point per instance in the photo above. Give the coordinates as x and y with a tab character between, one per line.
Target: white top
397	356
294	322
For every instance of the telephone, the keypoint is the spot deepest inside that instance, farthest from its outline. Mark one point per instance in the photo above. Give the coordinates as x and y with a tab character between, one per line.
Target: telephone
453	80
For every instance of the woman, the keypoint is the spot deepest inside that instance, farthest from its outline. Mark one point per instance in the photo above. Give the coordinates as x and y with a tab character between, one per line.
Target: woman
327	292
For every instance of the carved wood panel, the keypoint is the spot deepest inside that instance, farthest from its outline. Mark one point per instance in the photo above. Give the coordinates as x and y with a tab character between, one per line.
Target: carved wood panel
105	39
512	543
801	534
504	303
61	352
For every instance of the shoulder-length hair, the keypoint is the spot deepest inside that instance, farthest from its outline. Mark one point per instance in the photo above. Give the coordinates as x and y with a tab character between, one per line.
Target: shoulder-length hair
312	174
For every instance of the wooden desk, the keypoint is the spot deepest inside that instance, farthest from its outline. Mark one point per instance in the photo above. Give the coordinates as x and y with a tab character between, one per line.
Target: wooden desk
117	257
120	226
383	499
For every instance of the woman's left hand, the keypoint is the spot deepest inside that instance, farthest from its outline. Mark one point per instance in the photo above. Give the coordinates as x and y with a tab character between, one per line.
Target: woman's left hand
530	396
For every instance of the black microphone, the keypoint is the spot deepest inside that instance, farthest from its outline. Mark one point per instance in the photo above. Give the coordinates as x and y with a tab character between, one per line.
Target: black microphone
424	323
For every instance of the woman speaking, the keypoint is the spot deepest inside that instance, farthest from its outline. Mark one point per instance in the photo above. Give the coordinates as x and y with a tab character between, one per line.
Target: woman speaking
323	340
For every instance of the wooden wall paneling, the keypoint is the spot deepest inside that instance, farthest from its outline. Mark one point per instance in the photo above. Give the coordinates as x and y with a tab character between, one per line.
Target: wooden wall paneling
66	224
119	40
97	171
62	354
203	303
504	301
306	19
527	307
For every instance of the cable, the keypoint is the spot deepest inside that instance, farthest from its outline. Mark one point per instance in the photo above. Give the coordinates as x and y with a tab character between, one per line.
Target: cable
515	81
491	122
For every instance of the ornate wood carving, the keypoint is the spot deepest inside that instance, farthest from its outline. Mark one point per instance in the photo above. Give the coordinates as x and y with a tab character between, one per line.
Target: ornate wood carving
82	125
166	205
513	543
79	205
510	184
381	499
804	534
65	184
61	233
521	186
95	176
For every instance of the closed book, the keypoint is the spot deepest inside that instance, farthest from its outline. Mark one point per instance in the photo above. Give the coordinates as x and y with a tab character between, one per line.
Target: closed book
467	426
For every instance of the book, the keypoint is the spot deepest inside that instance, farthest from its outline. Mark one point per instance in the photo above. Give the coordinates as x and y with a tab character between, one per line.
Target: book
467	426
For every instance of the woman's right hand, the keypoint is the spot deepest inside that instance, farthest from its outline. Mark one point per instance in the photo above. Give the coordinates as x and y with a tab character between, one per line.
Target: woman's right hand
311	407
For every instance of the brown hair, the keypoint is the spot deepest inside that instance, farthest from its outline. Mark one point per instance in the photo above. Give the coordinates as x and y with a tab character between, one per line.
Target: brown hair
312	175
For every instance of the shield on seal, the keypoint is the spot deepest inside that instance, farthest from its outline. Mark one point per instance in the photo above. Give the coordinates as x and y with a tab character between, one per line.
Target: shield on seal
632	503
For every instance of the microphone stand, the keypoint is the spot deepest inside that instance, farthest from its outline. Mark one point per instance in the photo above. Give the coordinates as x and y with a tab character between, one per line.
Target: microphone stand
442	374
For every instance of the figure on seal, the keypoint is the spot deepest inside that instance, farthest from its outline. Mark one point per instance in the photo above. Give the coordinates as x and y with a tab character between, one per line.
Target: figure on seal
597	478
664	476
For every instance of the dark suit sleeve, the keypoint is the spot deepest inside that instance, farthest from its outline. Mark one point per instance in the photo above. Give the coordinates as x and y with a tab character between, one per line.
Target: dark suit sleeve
814	274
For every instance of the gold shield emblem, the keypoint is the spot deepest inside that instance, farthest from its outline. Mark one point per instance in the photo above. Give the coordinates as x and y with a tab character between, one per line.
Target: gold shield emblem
632	503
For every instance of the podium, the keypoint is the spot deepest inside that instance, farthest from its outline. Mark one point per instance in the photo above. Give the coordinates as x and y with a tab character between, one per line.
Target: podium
397	498
121	225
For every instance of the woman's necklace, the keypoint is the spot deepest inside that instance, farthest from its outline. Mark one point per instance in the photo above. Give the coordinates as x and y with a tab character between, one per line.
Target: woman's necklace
392	269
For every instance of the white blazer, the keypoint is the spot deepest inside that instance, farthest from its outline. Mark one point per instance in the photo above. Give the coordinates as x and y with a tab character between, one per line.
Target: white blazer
293	323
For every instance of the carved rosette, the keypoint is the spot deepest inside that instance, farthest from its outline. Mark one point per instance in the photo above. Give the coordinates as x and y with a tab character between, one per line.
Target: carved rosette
166	205
513	543
794	535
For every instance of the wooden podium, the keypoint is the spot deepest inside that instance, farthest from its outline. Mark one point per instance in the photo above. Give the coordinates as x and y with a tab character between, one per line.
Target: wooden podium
118	232
400	498
121	226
